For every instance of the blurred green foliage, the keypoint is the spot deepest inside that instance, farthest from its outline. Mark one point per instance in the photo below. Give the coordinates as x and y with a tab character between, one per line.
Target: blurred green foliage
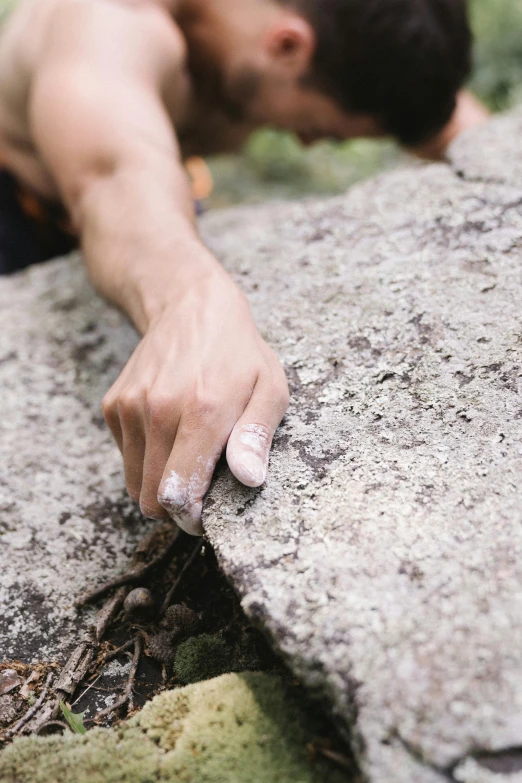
275	165
497	75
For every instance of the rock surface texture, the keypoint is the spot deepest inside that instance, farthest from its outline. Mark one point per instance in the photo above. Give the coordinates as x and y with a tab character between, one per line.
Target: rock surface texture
384	554
65	521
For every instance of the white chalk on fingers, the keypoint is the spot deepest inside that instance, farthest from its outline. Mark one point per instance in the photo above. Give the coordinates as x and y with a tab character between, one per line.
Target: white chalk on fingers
250	469
256	437
247	454
181	498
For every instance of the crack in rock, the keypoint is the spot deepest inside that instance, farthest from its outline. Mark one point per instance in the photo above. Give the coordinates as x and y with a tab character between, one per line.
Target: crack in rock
383	556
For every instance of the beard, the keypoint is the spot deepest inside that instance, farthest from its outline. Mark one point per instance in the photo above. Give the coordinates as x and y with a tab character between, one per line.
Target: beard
233	96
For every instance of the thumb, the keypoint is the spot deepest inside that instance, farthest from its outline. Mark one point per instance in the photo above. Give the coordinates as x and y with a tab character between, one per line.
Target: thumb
250	441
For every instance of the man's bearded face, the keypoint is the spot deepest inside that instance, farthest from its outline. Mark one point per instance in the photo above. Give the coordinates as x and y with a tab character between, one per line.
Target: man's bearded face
252	96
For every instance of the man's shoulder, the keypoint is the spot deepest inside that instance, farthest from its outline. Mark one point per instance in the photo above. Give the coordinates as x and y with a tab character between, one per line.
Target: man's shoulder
152	19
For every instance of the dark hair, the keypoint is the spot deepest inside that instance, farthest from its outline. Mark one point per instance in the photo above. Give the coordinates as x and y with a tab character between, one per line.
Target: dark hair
400	61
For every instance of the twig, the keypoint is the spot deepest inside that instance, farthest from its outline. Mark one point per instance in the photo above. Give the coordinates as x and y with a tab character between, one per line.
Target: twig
75	669
168	599
49	711
133	672
132	576
109	611
127	697
107	658
338	758
32	710
85	691
71	675
121	649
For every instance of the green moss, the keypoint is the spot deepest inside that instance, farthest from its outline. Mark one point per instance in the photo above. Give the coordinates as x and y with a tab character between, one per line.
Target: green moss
232	729
206	656
246	657
240	729
201	658
96	757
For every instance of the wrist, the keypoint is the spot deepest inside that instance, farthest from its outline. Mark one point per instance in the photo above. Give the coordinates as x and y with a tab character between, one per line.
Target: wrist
167	285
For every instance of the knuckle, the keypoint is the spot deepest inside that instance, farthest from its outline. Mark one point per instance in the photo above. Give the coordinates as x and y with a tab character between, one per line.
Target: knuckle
159	407
203	406
161	497
110	411
129	402
108	404
170	505
262	432
255	437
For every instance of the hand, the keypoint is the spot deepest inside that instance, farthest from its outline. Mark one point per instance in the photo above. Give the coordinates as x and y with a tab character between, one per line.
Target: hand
201	378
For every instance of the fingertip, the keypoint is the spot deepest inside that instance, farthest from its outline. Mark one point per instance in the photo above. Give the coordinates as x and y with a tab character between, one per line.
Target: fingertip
182	499
189	524
187	517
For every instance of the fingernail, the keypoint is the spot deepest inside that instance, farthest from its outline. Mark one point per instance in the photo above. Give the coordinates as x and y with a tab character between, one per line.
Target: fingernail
250	469
178	500
189	520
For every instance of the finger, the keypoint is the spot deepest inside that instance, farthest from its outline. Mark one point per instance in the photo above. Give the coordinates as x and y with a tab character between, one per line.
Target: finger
161	428
110	413
249	444
189	472
112	400
130	410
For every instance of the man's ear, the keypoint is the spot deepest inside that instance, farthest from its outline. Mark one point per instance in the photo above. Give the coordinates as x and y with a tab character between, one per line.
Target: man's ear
290	43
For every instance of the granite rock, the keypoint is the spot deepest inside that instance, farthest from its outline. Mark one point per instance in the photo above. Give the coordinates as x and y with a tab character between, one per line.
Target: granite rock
65	520
383	557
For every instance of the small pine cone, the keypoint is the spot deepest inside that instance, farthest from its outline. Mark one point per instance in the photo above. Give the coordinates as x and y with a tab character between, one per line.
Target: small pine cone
180	620
160	647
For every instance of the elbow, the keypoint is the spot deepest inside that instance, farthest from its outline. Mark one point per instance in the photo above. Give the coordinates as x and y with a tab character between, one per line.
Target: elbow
82	191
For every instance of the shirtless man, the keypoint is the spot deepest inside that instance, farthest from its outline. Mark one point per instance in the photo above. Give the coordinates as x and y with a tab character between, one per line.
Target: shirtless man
100	101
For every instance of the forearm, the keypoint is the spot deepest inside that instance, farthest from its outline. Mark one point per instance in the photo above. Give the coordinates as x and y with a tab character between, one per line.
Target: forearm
139	238
102	130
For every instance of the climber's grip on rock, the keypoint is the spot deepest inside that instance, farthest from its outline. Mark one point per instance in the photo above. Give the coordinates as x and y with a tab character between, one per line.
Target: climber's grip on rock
100	104
201	378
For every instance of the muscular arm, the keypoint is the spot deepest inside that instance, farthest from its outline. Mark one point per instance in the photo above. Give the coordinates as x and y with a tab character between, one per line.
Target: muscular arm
102	129
202	376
